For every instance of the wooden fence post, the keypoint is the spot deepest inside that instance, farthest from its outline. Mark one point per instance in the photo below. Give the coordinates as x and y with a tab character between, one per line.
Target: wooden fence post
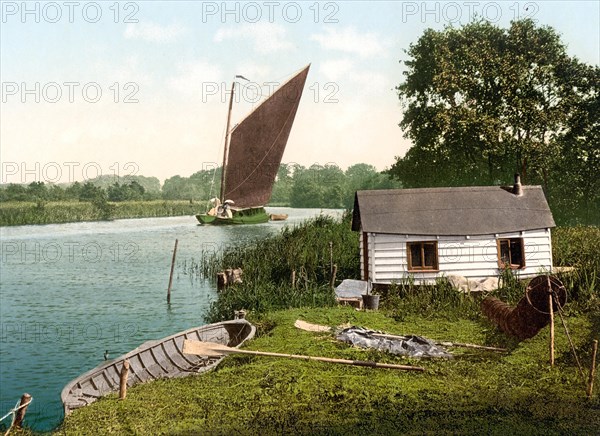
333	274
20	414
123	380
551	313
590	387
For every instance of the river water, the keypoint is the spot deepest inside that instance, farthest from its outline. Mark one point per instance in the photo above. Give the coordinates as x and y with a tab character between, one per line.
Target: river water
71	292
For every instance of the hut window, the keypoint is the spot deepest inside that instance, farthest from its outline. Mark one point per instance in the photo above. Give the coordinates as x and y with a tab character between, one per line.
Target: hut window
422	256
511	253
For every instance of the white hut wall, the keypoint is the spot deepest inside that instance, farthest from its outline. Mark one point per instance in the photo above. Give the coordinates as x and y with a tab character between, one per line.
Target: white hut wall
366	275
474	258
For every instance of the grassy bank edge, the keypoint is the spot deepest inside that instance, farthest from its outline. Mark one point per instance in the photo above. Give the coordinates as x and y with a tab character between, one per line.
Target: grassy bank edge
513	393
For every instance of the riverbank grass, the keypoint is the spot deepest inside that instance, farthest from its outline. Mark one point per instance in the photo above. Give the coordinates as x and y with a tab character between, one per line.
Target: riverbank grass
476	392
18	213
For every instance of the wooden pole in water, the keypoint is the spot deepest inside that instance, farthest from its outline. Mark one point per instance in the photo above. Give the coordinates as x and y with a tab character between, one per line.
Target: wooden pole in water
123	380
20	414
551	310
590	387
171	275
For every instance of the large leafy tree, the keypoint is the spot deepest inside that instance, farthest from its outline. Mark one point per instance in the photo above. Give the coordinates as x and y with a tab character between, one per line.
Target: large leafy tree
481	102
575	177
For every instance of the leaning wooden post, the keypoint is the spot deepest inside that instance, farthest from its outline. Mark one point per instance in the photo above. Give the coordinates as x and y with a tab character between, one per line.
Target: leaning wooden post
590	387
123	380
333	276
171	275
20	414
551	310
330	257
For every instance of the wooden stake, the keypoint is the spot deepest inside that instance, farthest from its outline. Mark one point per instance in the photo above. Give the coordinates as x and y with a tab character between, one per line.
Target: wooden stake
20	414
214	349
171	275
294	279
590	388
333	274
551	313
123	380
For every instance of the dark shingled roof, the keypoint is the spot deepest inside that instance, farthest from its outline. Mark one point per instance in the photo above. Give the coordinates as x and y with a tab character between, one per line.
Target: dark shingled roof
475	210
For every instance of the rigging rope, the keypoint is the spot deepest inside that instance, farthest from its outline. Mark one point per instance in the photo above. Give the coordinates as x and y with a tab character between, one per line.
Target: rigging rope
14	411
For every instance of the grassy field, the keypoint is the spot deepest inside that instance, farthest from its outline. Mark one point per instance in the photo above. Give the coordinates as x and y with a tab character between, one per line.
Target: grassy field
23	213
476	392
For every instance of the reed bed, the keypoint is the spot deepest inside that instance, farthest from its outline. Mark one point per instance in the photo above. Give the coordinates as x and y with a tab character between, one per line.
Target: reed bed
18	213
310	249
579	247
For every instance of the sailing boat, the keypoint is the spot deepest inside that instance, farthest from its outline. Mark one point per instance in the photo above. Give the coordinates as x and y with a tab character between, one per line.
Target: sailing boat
252	155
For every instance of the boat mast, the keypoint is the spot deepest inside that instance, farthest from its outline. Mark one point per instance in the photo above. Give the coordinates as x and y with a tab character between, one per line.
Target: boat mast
225	150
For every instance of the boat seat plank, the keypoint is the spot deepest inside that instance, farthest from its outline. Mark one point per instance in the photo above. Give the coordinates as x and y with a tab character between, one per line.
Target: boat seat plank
100	383
163	360
176	355
90	392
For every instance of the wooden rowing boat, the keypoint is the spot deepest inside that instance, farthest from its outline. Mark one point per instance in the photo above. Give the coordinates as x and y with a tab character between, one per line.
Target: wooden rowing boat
153	360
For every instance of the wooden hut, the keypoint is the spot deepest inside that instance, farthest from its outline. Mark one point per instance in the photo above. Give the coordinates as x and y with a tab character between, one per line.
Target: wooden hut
473	232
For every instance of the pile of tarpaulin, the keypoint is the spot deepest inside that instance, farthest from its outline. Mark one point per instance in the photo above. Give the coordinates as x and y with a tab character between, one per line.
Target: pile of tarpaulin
411	346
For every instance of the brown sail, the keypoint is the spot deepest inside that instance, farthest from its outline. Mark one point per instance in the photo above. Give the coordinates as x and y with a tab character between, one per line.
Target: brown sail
257	145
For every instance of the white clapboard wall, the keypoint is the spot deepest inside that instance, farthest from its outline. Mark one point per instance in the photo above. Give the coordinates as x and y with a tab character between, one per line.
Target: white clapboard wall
473	257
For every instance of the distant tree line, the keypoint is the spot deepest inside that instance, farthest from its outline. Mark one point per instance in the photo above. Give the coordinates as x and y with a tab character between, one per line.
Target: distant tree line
325	186
91	190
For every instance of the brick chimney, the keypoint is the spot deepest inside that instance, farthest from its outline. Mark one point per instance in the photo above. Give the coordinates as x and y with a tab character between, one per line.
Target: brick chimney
517	187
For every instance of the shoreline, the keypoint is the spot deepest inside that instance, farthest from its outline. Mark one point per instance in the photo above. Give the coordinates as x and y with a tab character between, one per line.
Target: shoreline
23	213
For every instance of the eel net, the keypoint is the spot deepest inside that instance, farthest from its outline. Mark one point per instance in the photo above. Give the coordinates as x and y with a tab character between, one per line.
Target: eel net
410	346
532	312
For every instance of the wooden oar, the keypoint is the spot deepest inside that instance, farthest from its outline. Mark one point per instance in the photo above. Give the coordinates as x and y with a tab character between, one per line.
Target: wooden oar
213	349
303	325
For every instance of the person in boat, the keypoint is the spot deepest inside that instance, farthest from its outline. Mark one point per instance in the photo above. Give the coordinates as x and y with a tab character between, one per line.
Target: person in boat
226	209
216	203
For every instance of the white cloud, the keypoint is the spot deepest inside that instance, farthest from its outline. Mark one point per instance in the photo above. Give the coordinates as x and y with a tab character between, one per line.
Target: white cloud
336	69
350	40
364	82
153	32
265	37
130	71
198	76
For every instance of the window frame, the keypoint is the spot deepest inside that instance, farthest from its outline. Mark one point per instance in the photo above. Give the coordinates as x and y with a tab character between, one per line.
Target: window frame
501	263
423	267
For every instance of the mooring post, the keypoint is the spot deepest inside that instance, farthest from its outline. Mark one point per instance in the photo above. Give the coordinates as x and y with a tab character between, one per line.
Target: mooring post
20	414
590	387
123	380
171	275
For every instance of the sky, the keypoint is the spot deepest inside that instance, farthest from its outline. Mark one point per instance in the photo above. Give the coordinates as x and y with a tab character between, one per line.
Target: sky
140	87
